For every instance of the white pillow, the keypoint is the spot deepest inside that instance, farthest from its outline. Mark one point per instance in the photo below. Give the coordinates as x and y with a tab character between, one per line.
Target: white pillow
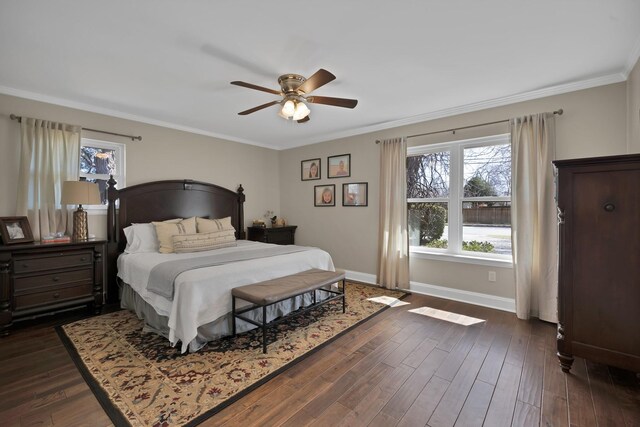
141	238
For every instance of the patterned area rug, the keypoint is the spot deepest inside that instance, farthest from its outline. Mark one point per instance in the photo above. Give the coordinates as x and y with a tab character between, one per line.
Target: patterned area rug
141	380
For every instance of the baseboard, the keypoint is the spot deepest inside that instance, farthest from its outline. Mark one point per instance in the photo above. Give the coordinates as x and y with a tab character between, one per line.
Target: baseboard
356	276
477	298
484	300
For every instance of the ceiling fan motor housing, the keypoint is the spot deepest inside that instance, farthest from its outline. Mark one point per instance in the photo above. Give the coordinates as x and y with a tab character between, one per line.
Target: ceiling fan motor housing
290	83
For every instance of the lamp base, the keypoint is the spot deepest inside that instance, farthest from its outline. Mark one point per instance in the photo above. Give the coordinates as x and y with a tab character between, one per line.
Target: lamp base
80	226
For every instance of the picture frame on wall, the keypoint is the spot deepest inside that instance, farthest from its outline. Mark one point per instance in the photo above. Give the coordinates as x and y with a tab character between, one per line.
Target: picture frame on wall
15	229
339	166
310	169
324	195
355	194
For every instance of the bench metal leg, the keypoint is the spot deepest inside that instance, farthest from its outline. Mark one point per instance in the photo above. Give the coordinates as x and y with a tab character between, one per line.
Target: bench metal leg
264	329
344	289
233	314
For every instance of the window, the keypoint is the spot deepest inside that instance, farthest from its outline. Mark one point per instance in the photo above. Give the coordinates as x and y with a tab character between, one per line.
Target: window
459	197
98	160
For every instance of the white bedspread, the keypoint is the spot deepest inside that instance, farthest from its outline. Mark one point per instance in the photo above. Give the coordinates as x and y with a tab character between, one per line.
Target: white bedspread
203	295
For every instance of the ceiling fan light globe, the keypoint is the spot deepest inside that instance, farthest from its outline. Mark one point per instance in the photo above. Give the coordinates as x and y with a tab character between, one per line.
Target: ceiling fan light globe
301	112
288	109
282	115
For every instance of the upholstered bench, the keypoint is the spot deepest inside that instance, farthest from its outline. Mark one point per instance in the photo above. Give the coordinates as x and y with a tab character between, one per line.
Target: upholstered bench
269	292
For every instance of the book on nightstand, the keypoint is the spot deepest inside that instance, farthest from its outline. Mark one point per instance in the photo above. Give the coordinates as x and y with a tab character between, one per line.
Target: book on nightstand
54	239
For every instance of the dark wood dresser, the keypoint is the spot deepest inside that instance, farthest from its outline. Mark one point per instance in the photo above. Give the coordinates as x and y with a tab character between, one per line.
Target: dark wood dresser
40	278
599	260
278	235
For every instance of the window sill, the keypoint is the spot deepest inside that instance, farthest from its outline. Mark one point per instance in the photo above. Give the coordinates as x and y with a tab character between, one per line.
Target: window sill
466	259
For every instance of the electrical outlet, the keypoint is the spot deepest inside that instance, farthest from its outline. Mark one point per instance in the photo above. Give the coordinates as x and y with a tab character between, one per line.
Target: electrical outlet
492	276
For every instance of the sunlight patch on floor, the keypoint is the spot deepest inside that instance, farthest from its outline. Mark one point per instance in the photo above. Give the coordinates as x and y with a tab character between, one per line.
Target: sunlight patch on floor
448	316
390	301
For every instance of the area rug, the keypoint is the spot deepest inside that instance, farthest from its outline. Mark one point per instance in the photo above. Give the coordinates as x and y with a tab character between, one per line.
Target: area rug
140	380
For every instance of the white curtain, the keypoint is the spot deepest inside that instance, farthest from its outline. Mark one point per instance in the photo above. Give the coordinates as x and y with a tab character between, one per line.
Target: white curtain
533	216
49	155
393	239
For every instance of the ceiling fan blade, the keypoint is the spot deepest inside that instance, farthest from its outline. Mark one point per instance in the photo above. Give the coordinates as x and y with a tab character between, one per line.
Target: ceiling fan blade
337	102
259	107
252	86
320	78
305	120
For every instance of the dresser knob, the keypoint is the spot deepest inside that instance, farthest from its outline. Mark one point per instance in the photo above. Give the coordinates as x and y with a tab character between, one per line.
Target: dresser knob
56	295
25	266
609	207
56	278
83	259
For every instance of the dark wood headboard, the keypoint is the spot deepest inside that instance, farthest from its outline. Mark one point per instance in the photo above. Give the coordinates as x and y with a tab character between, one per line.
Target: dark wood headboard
162	200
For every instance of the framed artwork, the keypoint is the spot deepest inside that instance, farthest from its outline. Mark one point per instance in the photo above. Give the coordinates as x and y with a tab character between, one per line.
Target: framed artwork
339	166
324	195
355	194
310	169
15	229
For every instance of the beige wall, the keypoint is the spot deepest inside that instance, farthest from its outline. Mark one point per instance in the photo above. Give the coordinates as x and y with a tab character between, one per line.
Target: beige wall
633	110
594	124
163	154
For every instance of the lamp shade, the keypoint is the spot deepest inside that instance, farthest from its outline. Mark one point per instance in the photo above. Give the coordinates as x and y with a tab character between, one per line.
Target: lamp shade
80	193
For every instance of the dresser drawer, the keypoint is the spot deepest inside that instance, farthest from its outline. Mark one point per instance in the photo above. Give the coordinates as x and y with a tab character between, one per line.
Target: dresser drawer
53	296
31	284
54	260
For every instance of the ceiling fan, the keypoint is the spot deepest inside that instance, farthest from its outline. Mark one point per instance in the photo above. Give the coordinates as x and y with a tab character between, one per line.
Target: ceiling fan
295	90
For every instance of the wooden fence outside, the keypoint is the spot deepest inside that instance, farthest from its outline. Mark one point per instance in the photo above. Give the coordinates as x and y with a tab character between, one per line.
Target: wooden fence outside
489	215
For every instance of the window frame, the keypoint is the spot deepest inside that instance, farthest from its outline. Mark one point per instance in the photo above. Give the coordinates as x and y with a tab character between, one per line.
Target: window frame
120	158
454	251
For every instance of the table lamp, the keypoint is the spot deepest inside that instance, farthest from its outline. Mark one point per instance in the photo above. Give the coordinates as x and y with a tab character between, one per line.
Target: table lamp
80	193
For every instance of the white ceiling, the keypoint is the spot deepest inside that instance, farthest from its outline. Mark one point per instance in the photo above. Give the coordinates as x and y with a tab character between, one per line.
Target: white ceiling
170	62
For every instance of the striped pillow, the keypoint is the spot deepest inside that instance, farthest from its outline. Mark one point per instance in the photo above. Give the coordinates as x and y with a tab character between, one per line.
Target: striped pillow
166	230
208	225
204	241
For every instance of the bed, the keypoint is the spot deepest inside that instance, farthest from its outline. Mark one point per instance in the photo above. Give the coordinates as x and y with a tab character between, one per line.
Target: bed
198	310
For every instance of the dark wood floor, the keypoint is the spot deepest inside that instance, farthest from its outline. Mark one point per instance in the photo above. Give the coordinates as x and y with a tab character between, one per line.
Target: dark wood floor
399	368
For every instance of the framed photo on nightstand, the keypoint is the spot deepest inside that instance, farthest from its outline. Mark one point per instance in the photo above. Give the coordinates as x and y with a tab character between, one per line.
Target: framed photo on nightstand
15	229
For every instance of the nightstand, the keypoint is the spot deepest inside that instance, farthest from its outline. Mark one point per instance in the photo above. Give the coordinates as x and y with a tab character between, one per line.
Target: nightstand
40	278
277	235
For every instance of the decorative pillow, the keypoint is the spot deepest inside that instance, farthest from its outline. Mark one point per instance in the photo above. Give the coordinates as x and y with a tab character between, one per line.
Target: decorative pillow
207	225
141	238
166	230
204	241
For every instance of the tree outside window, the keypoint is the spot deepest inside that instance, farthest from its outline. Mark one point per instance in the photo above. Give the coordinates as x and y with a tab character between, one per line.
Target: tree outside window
99	160
459	196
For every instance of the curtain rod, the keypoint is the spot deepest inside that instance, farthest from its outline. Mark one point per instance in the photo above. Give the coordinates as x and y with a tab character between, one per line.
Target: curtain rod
557	112
133	138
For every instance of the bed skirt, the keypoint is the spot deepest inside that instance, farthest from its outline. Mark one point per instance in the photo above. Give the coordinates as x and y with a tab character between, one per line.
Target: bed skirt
154	322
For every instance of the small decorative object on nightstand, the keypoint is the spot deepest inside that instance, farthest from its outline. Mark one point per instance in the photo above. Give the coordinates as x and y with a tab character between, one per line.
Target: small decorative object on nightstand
43	278
278	235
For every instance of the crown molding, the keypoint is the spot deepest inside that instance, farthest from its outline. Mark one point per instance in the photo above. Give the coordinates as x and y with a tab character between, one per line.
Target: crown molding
633	58
119	114
477	106
447	112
